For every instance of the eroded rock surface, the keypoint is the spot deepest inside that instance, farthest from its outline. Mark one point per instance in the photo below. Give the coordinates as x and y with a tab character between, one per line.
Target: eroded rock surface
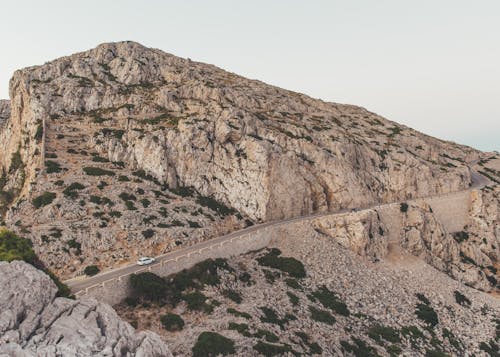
34	322
263	151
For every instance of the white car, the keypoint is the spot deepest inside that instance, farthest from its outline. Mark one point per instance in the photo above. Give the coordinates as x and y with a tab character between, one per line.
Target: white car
145	261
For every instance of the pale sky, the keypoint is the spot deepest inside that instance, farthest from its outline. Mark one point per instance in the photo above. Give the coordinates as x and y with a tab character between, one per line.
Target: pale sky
433	65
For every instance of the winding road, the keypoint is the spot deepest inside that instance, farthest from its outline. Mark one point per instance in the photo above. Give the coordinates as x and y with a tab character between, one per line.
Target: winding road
81	283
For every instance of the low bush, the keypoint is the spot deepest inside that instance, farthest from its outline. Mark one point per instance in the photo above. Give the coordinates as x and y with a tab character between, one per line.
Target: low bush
461	299
172	322
403	207
91	270
215	205
268	335
321	316
212	344
233	295
44	199
71	190
52	167
427	314
359	348
291	266
329	300
461	236
294	299
149	286
97	171
239	313
267	349
127	196
148	233
379	333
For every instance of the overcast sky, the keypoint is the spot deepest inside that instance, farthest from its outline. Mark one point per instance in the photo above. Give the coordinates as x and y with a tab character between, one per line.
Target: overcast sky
432	65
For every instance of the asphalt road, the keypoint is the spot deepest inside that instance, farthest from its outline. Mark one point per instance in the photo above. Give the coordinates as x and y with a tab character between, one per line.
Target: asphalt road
83	282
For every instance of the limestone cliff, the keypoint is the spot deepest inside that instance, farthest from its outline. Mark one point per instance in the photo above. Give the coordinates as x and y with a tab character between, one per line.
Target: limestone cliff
36	323
133	151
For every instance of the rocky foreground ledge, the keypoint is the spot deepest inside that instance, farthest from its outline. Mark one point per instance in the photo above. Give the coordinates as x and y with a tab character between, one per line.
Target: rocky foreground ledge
33	322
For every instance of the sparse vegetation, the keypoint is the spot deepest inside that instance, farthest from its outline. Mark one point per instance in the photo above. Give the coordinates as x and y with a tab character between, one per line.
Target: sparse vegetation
44	199
172	322
91	270
291	266
212	344
96	171
321	316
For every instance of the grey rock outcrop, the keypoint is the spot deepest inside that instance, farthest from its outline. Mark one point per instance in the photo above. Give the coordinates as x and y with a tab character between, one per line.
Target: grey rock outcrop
34	322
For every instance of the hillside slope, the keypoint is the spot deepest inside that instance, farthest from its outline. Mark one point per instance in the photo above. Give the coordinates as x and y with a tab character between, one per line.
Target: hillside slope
123	151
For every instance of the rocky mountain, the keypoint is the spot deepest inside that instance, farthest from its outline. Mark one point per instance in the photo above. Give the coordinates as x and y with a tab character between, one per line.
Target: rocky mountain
123	151
36	323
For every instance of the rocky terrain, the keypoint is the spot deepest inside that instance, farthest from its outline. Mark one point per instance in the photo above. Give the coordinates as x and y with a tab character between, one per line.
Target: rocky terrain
124	151
36	323
345	305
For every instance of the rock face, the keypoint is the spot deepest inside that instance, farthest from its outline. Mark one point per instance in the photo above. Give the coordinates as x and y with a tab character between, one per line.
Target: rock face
4	111
35	323
159	124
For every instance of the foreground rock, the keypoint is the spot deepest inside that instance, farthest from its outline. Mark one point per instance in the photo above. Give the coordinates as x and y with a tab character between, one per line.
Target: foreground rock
35	323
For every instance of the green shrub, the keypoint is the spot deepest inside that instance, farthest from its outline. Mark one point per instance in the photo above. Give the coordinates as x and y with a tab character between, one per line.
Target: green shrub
271	317
91	270
172	322
39	132
241	328
461	299
288	265
359	349
123	178
293	283
268	335
215	205
329	300
239	313
379	333
71	190
294	299
145	202
130	205
321	316
461	236
132	302
233	295
197	301
404	207
127	196
193	224
211	344
267	349
96	171
148	233
149	286
52	167
97	158
16	162
427	314
44	199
